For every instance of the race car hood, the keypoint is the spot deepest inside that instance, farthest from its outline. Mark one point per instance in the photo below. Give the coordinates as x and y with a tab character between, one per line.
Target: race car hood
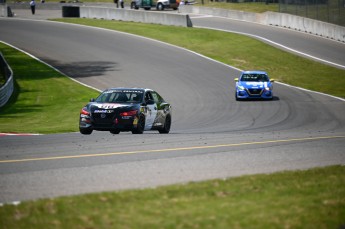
99	107
254	85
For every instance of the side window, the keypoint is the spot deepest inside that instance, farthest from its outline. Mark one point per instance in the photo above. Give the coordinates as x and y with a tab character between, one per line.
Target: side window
148	96
157	97
105	97
100	98
111	97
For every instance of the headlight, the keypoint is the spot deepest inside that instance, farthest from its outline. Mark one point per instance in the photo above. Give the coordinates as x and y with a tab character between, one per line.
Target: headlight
241	88
84	111
267	88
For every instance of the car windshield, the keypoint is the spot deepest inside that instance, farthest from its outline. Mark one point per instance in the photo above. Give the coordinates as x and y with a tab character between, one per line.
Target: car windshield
254	77
120	96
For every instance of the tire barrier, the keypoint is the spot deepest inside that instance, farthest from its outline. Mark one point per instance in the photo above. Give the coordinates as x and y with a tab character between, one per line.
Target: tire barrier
70	11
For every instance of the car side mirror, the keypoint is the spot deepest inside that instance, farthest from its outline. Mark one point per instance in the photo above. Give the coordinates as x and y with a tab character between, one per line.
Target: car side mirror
272	80
92	100
236	79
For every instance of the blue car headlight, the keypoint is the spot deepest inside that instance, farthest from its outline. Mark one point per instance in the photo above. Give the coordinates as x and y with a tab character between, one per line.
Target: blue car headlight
240	88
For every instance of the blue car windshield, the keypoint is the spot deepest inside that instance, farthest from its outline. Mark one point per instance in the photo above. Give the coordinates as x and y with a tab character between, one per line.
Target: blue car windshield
254	78
120	96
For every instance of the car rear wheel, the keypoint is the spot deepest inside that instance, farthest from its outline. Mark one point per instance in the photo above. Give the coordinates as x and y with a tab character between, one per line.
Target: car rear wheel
140	126
85	131
167	125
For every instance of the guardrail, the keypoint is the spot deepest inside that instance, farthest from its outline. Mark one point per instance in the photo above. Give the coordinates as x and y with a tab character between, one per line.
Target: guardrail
298	23
7	89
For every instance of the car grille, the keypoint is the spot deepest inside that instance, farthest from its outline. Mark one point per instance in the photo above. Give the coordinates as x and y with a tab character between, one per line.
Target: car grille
103	118
254	91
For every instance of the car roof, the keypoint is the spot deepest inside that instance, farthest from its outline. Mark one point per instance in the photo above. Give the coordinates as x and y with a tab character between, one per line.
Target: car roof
254	72
129	88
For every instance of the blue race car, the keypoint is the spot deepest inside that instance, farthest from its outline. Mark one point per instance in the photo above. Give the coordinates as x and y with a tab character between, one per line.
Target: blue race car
253	85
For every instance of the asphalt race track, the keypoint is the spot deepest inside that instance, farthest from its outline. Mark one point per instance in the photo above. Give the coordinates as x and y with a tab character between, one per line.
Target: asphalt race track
212	136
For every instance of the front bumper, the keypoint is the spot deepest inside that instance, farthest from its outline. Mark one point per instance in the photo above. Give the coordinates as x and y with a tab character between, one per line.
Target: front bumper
259	94
119	123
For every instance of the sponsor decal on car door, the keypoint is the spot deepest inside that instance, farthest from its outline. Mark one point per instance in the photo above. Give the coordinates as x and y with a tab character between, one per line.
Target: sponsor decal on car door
151	113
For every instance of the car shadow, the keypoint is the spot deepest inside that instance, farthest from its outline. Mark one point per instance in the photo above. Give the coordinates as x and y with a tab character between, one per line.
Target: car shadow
84	69
275	98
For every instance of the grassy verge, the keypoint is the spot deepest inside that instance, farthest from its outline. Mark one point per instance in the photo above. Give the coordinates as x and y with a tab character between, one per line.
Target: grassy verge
239	51
299	199
44	101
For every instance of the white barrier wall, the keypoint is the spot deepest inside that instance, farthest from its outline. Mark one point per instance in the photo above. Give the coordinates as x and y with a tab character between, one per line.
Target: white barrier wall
307	25
135	16
276	19
3	10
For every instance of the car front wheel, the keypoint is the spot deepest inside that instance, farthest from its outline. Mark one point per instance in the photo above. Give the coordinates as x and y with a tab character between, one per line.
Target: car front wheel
115	131
167	125
85	131
140	126
237	99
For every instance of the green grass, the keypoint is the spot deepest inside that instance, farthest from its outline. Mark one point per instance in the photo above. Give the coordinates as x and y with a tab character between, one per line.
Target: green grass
301	199
44	101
